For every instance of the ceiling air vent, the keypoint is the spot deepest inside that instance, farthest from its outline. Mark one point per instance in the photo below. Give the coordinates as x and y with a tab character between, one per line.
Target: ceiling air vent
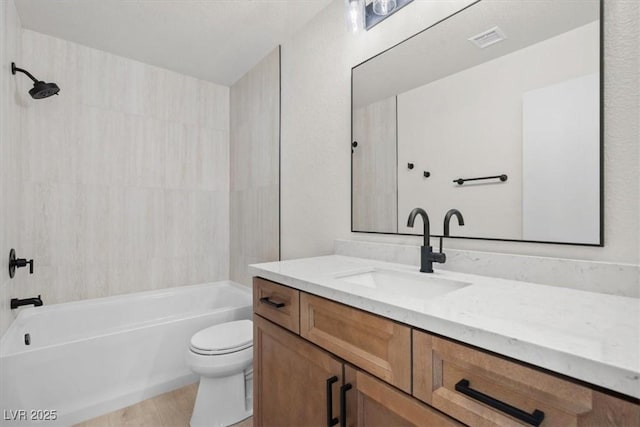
487	38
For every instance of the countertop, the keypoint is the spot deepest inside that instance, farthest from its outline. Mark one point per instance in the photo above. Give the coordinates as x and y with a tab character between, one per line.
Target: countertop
585	335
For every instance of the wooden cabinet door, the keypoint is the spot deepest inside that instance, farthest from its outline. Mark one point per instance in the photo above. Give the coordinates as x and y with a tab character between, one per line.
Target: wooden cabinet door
372	403
290	379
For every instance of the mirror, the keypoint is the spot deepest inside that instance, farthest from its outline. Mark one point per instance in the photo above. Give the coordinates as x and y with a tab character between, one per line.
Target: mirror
509	91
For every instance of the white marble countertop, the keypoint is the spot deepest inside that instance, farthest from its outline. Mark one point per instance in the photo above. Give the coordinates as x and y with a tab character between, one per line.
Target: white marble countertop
585	335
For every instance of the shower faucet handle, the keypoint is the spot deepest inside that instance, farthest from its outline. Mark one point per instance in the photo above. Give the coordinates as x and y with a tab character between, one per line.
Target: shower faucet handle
18	263
21	262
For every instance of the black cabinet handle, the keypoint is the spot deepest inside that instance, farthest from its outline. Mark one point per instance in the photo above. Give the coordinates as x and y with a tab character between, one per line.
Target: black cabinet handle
266	300
534	419
331	421
343	404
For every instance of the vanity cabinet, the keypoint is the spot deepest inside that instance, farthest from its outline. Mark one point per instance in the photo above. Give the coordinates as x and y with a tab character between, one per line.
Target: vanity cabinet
322	363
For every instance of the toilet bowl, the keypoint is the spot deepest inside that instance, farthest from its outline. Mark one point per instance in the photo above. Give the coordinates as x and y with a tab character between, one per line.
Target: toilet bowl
222	355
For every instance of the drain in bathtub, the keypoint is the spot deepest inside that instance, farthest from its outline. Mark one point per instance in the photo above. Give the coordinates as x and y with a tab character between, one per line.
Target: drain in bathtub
27	339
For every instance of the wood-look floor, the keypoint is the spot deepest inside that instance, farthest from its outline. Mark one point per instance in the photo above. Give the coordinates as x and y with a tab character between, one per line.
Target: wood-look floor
171	409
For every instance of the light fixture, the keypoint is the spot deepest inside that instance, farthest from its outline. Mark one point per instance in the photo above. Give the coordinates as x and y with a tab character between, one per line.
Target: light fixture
378	10
355	15
384	7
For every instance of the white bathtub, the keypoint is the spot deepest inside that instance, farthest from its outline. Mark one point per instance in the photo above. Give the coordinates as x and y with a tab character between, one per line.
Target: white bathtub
91	357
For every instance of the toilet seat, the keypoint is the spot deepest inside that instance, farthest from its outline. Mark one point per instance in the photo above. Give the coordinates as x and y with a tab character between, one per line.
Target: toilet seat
223	338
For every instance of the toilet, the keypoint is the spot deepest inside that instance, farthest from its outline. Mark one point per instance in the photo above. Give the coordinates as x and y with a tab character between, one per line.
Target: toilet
222	355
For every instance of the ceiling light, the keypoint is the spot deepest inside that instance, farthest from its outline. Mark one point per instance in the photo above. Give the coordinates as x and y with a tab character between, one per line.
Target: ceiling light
384	7
377	11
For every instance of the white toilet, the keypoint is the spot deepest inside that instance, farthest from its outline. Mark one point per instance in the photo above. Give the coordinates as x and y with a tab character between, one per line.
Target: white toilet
222	355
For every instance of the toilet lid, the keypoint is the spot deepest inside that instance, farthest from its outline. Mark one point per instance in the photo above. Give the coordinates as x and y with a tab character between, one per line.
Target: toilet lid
224	338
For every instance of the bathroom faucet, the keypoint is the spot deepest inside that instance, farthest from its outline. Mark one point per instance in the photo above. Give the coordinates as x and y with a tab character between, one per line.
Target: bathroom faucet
447	221
15	302
427	256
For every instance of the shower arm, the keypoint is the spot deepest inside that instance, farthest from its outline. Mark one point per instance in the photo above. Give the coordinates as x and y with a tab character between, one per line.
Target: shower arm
15	69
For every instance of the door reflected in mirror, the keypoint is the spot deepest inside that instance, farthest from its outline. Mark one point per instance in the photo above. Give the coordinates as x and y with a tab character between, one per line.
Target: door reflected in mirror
504	90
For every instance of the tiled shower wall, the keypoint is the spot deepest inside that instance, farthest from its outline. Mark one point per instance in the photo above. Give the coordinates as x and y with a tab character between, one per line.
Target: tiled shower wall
125	183
10	169
255	140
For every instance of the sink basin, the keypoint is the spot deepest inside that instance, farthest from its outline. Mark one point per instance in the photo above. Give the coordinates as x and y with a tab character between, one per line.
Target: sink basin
415	285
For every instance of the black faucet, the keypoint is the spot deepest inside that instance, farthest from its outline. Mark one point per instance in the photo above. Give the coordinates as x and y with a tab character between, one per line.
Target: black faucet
427	256
15	302
447	221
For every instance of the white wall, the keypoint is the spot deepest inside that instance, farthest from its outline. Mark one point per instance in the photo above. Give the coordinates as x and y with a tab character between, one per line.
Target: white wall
316	124
125	183
316	132
470	124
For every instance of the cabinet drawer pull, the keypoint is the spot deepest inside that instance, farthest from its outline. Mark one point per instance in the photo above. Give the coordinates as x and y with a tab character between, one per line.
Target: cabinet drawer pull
266	300
343	404
331	421
534	419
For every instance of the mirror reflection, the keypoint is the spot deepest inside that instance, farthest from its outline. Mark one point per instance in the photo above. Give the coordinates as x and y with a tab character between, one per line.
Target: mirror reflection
507	91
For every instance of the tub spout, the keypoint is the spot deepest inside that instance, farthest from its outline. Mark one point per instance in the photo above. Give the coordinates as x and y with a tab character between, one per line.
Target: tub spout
15	302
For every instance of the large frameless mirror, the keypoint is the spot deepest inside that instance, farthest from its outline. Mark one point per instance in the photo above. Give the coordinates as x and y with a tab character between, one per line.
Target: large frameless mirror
495	111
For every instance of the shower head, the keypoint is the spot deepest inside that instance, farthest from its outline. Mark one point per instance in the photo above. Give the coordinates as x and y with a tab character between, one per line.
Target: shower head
43	90
40	89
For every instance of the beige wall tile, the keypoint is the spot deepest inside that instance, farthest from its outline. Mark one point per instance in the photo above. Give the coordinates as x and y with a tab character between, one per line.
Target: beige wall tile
254	148
120	184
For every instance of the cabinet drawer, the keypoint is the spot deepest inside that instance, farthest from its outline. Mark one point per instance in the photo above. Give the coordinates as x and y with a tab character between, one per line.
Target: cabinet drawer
377	345
277	303
471	385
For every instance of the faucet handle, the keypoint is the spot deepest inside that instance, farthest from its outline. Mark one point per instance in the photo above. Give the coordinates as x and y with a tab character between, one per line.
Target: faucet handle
439	257
23	262
15	262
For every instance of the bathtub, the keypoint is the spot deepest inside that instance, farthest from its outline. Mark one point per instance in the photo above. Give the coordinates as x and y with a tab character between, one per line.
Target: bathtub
91	357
